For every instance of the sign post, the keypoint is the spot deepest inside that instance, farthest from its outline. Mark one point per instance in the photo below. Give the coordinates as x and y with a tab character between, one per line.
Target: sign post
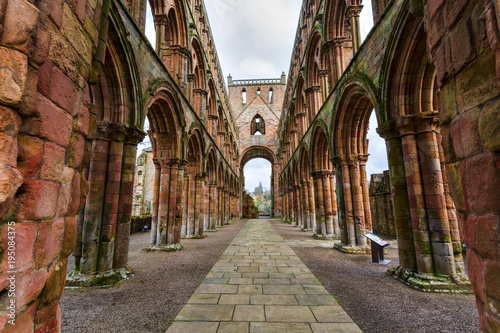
378	245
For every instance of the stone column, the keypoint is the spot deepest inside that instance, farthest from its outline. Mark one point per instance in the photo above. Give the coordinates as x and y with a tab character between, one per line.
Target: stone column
200	102
190	203
435	199
348	204
357	200
312	208
416	195
220	206
305	205
314	101
199	213
327	197
335	219
156	200
292	204
339	58
320	204
212	205
161	235
212	125
161	21
94	206
323	78
365	192
402	214
298	207
353	14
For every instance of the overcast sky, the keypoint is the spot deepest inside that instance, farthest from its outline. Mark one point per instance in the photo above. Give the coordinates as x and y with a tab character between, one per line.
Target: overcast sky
254	40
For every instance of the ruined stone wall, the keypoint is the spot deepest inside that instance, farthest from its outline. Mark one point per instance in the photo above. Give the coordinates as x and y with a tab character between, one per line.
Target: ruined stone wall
262	99
144	183
381	204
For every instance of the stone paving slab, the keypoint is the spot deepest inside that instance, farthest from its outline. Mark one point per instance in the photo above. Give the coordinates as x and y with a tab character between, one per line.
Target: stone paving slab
260	285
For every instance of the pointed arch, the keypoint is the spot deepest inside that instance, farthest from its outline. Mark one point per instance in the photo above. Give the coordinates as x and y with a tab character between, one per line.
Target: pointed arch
258	124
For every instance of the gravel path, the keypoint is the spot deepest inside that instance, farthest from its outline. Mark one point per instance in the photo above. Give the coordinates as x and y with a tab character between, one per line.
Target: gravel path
164	282
150	300
378	302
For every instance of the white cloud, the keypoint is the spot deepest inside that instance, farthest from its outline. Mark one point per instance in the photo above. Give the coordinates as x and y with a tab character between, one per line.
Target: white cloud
255	171
377	161
257	67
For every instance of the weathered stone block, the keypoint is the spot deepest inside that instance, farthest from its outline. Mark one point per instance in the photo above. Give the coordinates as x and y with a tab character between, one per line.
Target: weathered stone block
69	238
75	34
37	200
29	284
53	162
484	184
465	135
64	93
76	150
477	83
491	274
486	235
13	72
25	240
19	23
30	156
54	287
489	126
52	122
48	242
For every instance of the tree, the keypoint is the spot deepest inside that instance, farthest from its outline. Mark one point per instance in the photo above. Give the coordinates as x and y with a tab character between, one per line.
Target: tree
259	190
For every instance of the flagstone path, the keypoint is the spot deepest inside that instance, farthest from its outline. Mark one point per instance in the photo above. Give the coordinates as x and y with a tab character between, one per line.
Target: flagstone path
260	285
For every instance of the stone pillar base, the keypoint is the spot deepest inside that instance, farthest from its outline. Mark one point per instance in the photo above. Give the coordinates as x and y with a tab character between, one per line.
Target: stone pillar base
307	229
349	249
320	237
212	230
107	279
165	248
195	237
431	282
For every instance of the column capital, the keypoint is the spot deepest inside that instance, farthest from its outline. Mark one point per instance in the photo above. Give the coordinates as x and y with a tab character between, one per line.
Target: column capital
200	91
389	129
160	19
313	89
353	11
320	174
213	117
418	123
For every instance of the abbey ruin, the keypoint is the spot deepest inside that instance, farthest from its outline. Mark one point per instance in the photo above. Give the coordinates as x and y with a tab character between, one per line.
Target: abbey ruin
79	80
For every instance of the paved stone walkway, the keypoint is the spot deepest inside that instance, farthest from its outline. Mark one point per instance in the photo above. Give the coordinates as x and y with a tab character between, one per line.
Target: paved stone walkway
260	285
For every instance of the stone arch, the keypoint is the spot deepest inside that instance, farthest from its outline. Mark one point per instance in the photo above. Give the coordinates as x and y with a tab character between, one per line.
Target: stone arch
258	124
307	190
303	117
263	152
194	186
102	241
351	147
316	74
197	78
327	222
426	217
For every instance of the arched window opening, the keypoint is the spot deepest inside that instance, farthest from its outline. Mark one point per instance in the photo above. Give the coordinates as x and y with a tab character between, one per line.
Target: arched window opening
244	96
271	96
258	91
258	126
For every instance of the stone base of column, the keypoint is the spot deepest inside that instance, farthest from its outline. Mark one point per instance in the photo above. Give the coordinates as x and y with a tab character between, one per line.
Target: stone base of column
306	229
164	248
212	230
431	282
322	237
196	236
107	279
349	249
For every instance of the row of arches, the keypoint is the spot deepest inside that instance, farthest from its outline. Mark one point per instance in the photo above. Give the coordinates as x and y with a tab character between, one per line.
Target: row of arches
190	56
324	176
195	184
